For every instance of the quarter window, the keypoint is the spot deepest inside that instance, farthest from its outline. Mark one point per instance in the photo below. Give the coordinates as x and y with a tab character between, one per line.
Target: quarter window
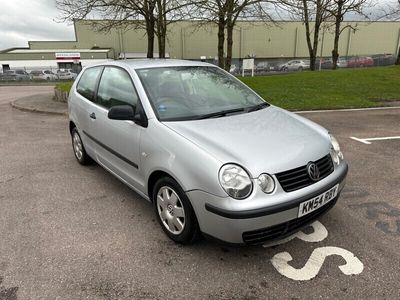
87	84
116	88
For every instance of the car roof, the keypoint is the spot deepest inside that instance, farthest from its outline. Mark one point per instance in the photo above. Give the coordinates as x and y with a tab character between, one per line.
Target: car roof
155	63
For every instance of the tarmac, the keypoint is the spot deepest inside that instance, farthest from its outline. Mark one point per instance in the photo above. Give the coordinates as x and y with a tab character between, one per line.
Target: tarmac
74	232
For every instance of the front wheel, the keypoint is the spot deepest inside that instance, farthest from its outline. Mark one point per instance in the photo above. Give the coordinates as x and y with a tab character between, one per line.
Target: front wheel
174	211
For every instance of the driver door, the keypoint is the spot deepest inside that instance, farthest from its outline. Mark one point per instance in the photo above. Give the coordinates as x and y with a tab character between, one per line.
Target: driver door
117	142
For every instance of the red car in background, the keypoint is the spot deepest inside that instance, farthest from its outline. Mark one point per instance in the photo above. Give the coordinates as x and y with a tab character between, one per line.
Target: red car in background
360	61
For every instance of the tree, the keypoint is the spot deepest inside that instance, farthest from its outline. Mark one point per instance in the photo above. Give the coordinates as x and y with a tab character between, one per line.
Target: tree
338	10
225	13
310	12
153	16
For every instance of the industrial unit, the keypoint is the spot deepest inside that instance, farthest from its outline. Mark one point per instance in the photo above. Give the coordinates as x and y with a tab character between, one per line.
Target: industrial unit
187	40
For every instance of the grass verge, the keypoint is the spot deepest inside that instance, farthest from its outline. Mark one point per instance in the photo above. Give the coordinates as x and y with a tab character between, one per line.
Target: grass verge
64	86
344	88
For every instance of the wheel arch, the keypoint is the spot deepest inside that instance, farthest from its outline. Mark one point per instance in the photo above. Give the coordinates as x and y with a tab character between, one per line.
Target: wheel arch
71	126
154	177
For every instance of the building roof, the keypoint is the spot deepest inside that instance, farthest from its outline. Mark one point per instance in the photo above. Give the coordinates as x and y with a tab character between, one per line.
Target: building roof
30	51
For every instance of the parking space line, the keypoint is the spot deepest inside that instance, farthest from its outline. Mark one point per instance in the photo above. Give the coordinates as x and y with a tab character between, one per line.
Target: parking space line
367	141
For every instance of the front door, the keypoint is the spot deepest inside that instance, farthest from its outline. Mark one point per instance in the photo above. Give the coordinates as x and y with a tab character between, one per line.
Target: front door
117	142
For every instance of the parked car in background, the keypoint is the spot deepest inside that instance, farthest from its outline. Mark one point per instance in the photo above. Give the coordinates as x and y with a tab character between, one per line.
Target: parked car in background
204	149
360	61
262	67
66	74
295	65
43	75
383	59
342	62
233	69
15	75
326	63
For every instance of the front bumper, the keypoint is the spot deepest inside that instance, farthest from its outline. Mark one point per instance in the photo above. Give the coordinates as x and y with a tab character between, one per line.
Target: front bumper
250	221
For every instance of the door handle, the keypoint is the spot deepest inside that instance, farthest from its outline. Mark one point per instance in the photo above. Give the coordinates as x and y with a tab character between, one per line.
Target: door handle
92	115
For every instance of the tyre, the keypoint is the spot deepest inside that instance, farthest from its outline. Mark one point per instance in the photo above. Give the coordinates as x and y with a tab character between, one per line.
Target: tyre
174	211
300	69
79	150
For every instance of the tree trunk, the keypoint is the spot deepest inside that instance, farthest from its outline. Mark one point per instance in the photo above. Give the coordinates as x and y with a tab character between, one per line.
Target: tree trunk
398	58
308	36
150	23
229	46
313	56
338	23
161	27
221	42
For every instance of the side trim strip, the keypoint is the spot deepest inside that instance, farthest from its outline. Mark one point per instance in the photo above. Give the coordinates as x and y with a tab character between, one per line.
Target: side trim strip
111	151
265	211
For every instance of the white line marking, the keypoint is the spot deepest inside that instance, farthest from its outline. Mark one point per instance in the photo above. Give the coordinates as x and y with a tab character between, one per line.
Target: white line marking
383	138
367	140
360	140
345	109
313	265
318	235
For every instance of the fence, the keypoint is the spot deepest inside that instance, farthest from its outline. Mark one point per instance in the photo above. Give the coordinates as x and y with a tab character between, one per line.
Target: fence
262	66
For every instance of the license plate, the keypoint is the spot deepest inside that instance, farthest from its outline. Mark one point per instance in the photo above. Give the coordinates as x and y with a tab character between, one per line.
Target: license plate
313	204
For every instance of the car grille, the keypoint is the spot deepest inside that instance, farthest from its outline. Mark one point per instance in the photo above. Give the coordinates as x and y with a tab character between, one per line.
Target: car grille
298	178
285	229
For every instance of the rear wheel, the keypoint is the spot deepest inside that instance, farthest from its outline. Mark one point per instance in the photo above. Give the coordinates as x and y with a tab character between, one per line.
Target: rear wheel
174	211
79	150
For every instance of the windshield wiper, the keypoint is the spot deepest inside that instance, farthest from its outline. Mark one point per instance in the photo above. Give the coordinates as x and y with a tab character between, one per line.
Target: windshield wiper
257	107
221	113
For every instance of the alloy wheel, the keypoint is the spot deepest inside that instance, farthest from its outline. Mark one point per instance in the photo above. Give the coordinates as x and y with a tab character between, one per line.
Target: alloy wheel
170	210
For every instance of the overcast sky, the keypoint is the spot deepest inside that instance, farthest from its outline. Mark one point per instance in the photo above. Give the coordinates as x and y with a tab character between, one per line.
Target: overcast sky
25	20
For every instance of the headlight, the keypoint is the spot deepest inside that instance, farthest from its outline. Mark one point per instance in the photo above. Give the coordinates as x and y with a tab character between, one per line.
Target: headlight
267	183
336	153
235	181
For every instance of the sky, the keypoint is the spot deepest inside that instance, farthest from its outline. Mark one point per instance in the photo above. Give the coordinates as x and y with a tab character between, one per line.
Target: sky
25	20
29	20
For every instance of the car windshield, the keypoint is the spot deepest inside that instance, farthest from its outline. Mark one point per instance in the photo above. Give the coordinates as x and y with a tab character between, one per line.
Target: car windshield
196	92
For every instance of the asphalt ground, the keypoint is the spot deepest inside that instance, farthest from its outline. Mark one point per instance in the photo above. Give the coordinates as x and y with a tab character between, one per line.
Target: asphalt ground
73	232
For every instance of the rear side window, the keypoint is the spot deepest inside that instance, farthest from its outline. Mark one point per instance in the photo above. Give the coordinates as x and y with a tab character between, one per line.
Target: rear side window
116	88
87	84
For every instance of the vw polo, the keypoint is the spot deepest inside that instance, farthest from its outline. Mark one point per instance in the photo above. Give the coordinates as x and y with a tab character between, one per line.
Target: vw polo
210	154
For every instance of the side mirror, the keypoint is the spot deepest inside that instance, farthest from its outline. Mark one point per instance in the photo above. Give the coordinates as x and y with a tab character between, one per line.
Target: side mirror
122	112
127	113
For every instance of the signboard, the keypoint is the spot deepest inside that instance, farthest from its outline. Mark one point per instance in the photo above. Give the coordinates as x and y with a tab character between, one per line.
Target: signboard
68	56
248	64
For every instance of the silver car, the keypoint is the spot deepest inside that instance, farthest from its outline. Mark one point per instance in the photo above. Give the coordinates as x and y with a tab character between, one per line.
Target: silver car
210	154
295	65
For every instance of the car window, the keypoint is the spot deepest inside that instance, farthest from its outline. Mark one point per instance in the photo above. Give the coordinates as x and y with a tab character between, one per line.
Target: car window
183	93
87	84
116	88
